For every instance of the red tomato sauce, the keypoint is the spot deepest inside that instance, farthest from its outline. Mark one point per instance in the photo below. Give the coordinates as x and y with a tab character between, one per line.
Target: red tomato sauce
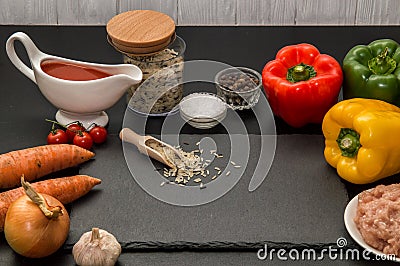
69	71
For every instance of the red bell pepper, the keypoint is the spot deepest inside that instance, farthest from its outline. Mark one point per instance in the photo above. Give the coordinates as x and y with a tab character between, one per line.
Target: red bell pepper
301	84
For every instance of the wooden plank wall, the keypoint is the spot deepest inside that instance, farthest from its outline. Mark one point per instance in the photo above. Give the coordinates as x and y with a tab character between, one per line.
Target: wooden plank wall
205	12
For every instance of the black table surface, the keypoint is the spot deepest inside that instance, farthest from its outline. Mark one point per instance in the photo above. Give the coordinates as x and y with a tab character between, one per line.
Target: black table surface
23	108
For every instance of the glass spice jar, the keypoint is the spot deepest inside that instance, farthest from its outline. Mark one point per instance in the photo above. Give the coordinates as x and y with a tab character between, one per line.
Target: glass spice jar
240	87
147	39
161	88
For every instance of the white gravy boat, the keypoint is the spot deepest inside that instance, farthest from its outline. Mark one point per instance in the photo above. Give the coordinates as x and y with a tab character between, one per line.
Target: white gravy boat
77	100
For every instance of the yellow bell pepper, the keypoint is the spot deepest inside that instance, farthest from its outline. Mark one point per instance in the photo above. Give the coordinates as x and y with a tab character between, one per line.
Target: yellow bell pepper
362	139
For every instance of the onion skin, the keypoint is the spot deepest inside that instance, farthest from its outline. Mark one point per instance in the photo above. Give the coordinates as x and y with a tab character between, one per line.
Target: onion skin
30	233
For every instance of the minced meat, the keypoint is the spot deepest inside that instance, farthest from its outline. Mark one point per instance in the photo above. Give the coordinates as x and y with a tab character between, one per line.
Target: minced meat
378	218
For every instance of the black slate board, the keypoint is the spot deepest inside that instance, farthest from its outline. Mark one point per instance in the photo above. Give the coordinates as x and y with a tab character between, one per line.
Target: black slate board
278	212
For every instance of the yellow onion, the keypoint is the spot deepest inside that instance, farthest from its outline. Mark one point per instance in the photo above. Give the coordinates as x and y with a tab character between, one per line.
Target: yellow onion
36	225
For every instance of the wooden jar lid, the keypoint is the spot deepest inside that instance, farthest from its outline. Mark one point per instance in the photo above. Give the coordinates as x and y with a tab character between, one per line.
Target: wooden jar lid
141	31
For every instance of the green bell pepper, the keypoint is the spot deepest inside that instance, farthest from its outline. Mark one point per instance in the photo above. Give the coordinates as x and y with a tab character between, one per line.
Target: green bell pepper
373	71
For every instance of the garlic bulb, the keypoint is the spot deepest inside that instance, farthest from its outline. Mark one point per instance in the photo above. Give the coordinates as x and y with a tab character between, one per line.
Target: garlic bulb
96	248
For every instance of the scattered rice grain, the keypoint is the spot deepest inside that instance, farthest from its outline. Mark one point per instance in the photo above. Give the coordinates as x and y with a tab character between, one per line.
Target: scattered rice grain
186	164
228	173
179	179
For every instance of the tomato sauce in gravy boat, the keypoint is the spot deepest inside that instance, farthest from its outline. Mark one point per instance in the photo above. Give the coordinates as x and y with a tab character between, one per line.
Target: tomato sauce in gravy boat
80	90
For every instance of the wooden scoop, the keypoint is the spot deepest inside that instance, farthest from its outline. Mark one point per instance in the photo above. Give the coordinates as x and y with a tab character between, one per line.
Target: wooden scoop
141	142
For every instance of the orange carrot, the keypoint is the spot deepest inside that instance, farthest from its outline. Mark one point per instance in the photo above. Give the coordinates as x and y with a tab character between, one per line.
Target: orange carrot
65	189
39	161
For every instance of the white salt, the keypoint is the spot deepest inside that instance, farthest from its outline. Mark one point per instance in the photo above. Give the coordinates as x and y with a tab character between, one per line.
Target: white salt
199	105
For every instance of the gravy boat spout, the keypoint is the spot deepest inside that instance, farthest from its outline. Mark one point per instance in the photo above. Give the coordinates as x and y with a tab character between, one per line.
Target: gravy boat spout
131	73
78	97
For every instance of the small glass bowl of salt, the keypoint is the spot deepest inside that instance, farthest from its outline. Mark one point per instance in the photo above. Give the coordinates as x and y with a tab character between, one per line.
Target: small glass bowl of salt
202	110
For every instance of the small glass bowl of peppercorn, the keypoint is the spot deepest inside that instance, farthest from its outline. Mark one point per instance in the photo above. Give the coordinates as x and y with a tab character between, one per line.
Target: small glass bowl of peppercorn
240	87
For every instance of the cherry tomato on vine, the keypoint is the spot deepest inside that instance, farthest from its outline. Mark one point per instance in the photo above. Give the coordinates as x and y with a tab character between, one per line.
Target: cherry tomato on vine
57	136
98	134
72	129
83	140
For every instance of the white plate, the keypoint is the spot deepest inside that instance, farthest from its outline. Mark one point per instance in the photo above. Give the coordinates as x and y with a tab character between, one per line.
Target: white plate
349	214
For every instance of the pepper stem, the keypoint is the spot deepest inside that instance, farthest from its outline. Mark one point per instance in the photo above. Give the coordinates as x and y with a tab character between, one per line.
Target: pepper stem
300	72
49	212
348	142
383	64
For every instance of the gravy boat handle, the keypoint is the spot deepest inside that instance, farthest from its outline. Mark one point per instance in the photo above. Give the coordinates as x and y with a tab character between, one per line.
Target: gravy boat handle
34	53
